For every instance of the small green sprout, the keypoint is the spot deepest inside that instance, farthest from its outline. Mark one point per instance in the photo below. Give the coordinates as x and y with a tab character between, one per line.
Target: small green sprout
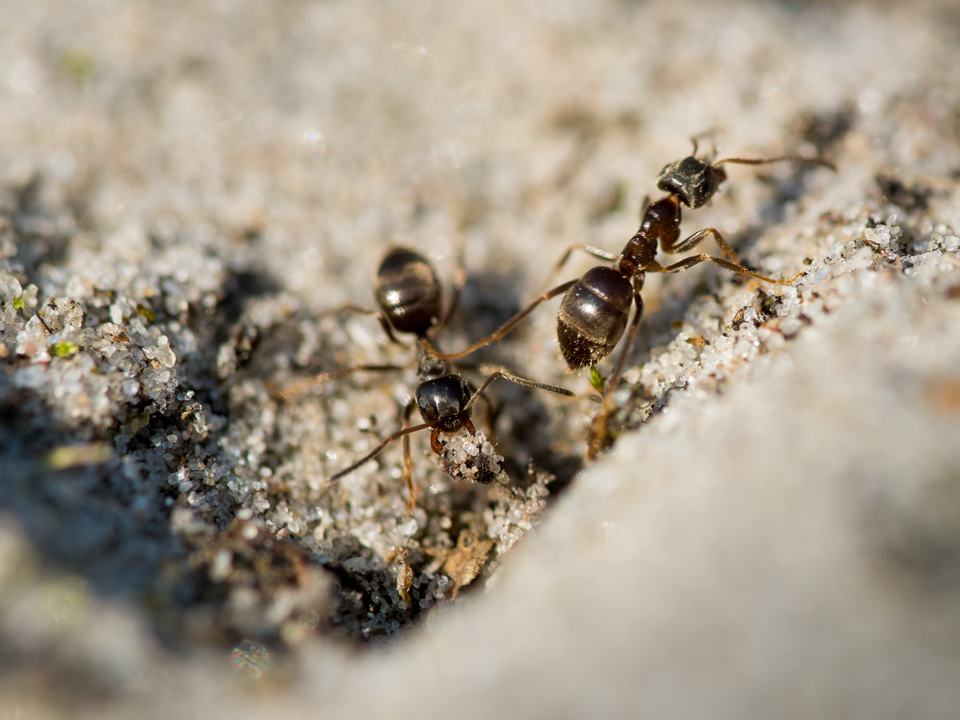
65	348
596	380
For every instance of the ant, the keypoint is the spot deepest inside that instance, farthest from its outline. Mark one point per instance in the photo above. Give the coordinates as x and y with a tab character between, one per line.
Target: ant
594	310
408	293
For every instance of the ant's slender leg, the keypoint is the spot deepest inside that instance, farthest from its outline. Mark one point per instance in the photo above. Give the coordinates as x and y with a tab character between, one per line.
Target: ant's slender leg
388	329
468	423
589	249
507	326
377	450
407	459
297	388
599	436
516	319
695	240
490	416
689	262
357	309
435	441
348	307
496	372
614	377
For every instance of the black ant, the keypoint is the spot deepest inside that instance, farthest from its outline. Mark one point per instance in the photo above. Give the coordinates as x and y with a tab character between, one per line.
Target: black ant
594	310
408	293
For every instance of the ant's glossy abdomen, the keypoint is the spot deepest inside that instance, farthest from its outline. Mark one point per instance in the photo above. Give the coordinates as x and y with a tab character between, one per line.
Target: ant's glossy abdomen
592	316
408	291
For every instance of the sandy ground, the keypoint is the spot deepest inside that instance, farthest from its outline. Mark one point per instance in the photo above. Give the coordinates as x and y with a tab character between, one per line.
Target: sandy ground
191	193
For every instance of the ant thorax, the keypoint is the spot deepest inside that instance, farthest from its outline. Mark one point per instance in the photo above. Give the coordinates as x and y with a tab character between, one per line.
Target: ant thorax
429	366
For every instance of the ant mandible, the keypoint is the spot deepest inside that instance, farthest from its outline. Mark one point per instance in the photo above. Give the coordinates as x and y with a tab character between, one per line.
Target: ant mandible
594	310
408	293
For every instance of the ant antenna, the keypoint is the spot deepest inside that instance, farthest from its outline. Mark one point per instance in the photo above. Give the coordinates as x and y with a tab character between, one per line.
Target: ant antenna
496	372
779	158
695	139
317	380
377	450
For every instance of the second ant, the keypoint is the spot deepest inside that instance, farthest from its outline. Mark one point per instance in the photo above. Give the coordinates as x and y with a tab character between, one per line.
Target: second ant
408	294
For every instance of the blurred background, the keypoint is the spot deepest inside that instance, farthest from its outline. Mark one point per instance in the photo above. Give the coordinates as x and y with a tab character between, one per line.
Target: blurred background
205	182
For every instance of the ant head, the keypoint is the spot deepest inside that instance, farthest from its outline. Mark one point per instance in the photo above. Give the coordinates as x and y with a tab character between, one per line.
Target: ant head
441	402
692	180
407	290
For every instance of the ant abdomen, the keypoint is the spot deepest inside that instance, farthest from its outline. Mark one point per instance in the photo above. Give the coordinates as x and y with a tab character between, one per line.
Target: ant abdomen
408	291
593	315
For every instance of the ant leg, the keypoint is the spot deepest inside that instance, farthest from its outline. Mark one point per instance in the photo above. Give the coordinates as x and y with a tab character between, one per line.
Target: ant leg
377	450
589	249
614	377
496	372
407	459
357	309
695	240
516	319
348	307
297	388
600	438
689	262
507	326
490	416
468	423
388	329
